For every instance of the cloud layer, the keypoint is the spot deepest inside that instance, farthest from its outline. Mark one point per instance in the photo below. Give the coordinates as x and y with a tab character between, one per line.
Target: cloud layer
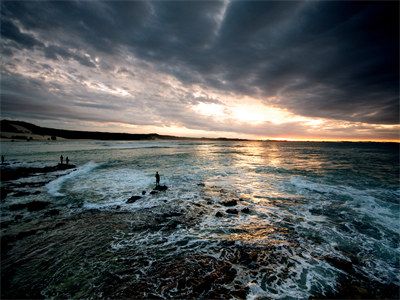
152	63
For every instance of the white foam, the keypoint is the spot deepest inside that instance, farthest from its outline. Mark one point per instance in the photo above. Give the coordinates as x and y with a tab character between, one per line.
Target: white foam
53	187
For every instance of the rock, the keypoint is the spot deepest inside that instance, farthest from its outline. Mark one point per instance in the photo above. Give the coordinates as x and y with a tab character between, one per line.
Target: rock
37	205
219	214
201	184
133	199
18	206
4	193
143	193
232	211
21	194
18	217
245	210
153	192
13	174
161	188
209	202
339	263
23	234
53	212
118	207
229	203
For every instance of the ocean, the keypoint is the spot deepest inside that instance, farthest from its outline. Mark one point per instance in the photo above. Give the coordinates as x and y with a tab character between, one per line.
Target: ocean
244	220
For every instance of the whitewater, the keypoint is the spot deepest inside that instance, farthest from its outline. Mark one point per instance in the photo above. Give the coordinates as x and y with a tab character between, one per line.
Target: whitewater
309	220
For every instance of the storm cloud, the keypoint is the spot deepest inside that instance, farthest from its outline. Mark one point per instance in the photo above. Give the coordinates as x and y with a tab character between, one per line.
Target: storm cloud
150	63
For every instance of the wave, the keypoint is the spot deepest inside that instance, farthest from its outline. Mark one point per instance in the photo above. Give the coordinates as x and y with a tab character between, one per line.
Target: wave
379	203
54	187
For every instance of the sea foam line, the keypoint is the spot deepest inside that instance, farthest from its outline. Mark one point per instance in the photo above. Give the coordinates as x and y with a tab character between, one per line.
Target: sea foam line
53	187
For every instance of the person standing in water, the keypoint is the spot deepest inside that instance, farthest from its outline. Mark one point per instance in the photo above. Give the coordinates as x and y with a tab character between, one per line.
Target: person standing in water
157	179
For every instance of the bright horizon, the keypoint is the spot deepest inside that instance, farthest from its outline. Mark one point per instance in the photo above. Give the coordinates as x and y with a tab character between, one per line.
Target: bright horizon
301	70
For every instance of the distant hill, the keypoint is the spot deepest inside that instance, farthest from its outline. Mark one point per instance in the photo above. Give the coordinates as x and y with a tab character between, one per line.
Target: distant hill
23	130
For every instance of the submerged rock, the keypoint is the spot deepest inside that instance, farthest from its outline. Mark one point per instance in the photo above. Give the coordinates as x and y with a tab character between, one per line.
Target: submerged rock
37	205
219	214
232	211
18	206
230	203
246	210
21	194
133	199
31	206
4	193
53	212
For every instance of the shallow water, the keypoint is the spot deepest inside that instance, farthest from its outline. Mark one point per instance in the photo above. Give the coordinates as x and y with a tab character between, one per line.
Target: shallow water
312	208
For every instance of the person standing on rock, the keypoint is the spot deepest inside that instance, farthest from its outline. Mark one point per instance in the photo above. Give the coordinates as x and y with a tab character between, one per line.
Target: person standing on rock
61	159
67	160
157	179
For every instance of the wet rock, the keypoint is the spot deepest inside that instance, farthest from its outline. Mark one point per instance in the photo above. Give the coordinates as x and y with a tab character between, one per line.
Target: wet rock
209	202
118	207
21	194
4	193
53	212
232	211
18	217
219	214
12	174
143	193
161	188
339	263
23	234
19	206
5	224
201	184
230	203
37	205
246	210
133	199
153	192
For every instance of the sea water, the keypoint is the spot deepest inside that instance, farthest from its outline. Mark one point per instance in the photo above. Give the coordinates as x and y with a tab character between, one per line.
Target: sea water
307	201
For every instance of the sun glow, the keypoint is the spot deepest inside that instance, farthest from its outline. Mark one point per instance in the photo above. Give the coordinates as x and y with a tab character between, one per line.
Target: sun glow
250	112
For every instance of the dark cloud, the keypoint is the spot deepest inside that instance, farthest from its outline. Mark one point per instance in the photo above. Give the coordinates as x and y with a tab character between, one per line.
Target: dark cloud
325	59
11	32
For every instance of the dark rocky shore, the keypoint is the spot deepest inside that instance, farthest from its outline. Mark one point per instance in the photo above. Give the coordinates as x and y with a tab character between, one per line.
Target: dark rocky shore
50	256
7	174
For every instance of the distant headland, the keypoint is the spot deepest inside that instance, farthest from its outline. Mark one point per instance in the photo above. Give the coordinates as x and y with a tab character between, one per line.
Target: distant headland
23	131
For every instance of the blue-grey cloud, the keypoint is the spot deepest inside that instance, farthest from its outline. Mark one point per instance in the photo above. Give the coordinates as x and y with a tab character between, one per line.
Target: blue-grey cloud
326	59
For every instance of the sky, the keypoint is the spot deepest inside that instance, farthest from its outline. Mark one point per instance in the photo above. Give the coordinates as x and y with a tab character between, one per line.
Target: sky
241	69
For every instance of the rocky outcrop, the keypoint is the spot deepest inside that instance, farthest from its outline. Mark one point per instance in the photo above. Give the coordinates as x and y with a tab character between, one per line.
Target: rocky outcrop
230	203
31	206
161	188
246	210
16	173
133	199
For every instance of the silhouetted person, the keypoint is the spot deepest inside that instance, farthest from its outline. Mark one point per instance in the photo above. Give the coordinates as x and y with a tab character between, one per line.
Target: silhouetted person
2	159
157	179
61	159
67	160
